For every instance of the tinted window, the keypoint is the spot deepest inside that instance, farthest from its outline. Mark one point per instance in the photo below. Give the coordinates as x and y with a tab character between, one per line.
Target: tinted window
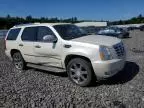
29	34
13	34
43	31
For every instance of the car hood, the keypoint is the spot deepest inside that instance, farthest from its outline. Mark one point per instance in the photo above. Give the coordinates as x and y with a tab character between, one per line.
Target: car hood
98	40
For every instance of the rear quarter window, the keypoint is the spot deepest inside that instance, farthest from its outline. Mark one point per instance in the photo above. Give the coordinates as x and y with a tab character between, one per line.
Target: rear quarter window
13	33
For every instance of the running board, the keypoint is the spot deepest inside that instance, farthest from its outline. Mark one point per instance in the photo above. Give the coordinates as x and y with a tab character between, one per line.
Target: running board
47	68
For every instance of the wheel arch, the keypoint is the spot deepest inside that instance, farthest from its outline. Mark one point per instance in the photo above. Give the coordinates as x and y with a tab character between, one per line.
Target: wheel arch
13	51
72	56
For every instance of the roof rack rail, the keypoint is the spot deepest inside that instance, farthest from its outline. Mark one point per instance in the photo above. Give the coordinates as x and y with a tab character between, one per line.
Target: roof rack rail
26	24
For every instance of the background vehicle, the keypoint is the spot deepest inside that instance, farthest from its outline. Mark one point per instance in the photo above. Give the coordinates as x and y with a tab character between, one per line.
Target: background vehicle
115	32
92	29
142	28
3	33
65	47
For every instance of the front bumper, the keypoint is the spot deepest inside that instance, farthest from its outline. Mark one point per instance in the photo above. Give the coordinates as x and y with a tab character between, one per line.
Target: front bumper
105	69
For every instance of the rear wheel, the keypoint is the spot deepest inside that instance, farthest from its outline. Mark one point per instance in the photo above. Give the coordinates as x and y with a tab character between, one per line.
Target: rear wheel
80	71
18	61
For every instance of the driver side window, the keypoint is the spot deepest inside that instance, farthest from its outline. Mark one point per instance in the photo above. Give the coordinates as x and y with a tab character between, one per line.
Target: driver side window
42	32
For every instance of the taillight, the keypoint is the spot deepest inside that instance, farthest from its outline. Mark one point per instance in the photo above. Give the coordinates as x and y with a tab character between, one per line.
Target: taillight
5	43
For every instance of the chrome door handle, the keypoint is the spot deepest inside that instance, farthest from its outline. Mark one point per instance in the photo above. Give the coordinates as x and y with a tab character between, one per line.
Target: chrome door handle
21	45
67	46
37	46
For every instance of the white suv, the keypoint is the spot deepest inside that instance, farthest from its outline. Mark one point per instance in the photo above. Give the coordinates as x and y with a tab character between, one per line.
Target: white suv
65	48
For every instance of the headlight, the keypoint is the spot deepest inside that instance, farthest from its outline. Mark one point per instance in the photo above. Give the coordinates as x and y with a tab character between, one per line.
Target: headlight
105	53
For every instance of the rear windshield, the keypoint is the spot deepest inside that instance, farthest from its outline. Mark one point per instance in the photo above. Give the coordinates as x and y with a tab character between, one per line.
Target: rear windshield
13	33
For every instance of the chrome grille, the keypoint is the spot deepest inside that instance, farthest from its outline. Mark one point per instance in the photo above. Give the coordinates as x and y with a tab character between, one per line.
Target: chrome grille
119	48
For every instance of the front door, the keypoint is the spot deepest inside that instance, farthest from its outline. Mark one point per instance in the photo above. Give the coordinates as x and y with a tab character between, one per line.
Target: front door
47	53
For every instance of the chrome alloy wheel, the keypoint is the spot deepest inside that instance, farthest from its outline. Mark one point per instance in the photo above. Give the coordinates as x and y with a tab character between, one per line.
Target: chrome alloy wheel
78	73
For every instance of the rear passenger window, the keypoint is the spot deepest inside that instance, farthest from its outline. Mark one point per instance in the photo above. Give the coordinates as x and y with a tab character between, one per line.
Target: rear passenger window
13	33
29	34
43	31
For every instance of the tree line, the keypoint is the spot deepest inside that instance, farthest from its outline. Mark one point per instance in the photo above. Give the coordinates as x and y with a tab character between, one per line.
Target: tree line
8	21
135	20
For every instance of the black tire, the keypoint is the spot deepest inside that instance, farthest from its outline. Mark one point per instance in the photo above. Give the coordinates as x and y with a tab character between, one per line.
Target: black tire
83	72
18	61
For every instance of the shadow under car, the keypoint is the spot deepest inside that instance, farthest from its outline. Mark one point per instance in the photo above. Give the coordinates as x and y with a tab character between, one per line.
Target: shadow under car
130	70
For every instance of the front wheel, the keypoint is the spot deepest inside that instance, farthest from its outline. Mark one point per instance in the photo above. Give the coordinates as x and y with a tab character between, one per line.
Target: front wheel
18	61
80	71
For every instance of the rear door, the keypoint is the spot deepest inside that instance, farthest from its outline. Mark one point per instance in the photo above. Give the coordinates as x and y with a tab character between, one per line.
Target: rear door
25	44
46	52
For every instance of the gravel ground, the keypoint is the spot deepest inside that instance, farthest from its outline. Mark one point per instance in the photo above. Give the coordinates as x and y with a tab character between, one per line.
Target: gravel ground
40	89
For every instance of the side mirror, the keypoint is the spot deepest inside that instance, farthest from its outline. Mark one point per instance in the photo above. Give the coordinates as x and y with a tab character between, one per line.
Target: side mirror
50	38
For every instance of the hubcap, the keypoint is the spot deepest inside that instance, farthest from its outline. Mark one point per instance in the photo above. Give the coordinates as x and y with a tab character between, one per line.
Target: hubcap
78	73
17	61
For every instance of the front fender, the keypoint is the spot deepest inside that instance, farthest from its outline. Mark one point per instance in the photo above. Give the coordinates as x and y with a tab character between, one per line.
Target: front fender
89	53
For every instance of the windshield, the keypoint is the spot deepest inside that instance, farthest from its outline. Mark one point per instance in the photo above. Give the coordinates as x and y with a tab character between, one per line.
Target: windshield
69	31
